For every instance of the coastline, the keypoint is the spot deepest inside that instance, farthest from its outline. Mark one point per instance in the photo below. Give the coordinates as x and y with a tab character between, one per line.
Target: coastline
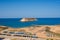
16	23
38	30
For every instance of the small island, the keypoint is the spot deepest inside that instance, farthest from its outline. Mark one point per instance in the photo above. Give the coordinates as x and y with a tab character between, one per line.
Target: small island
28	19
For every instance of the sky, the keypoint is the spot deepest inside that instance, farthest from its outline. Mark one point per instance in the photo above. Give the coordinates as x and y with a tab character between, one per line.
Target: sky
30	8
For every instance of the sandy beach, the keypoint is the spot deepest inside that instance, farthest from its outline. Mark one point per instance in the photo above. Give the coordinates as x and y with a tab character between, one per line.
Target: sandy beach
37	31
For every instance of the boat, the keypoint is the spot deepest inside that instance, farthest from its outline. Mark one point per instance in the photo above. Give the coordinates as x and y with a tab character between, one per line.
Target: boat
28	19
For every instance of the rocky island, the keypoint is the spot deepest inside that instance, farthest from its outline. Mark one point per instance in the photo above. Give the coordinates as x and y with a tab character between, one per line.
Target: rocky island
28	19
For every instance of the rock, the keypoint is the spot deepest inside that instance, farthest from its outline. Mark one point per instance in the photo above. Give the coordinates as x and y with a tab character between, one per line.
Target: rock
28	19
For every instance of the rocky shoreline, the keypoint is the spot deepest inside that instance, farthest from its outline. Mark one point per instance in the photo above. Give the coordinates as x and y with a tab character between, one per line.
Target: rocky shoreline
36	31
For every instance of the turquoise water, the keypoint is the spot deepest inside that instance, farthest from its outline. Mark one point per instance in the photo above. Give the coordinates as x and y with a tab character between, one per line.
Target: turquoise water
16	23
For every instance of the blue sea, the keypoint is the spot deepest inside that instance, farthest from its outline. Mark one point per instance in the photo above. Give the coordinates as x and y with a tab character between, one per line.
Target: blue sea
16	23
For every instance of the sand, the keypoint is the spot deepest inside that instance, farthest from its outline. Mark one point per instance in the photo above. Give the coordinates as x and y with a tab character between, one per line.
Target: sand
40	31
